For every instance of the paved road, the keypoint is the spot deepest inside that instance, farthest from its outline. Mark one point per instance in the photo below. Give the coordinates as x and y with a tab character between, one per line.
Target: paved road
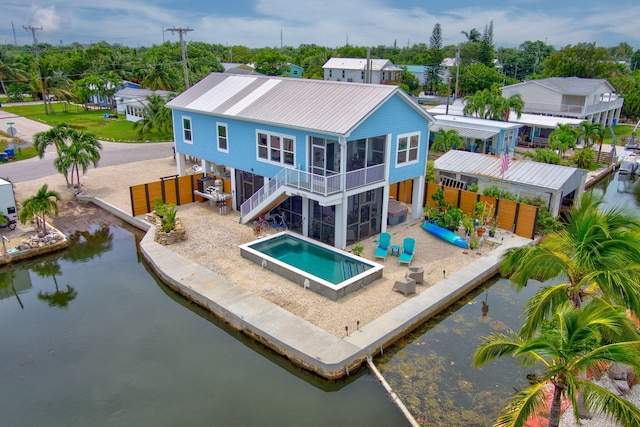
113	153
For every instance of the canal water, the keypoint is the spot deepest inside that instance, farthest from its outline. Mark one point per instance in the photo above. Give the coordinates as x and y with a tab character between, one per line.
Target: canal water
431	368
90	338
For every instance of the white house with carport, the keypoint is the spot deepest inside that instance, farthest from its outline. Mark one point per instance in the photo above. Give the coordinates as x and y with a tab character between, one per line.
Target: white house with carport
557	185
479	135
594	100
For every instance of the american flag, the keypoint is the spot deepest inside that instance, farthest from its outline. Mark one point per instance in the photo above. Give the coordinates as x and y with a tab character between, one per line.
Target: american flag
504	165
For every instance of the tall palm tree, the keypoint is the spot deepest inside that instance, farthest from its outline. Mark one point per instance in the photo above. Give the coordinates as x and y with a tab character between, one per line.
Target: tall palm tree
478	104
504	106
39	206
597	253
590	133
473	35
56	136
445	140
571	344
83	150
10	72
563	137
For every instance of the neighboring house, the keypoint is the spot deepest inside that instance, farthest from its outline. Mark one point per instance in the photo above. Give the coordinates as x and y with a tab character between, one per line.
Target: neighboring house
557	185
294	70
238	68
131	102
362	70
104	101
324	152
593	100
534	131
479	135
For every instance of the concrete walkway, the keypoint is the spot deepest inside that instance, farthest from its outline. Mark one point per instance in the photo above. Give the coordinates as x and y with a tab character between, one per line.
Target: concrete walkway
307	345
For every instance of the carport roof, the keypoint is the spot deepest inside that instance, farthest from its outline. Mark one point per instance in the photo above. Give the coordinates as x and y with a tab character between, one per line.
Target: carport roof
520	172
466	132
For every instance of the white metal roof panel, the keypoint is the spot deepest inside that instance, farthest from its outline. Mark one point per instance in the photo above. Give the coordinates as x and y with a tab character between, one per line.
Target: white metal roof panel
332	107
464	132
524	172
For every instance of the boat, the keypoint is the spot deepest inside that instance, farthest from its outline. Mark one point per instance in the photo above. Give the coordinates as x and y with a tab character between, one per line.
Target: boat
446	235
629	163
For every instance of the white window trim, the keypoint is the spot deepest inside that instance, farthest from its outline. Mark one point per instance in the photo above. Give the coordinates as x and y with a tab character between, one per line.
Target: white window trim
185	140
408	136
218	125
281	136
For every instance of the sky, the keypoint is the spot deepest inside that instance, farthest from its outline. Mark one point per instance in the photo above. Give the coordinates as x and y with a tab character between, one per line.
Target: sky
329	23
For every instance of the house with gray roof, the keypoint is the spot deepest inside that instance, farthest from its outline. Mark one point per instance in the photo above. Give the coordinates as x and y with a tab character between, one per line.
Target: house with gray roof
362	70
557	185
593	100
323	154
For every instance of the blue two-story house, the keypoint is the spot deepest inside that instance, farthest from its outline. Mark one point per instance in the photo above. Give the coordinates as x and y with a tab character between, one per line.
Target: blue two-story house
323	152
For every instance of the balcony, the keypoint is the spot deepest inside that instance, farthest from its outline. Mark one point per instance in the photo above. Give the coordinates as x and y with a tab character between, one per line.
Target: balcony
573	110
311	183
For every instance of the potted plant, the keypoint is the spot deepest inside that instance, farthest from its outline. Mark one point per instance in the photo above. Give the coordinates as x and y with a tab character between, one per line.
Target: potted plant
483	213
467	223
357	249
451	219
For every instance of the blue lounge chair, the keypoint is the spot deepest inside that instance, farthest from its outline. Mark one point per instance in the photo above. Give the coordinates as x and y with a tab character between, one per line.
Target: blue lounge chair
408	248
384	243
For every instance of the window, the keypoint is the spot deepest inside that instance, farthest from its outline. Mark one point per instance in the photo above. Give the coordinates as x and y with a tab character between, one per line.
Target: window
330	73
343	74
408	149
508	138
223	142
362	75
186	130
276	148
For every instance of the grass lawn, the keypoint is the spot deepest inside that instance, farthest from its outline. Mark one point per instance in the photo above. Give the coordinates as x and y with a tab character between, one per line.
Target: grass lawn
119	130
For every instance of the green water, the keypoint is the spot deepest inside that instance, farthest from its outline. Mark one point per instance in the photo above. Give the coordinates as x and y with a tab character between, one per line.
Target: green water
91	338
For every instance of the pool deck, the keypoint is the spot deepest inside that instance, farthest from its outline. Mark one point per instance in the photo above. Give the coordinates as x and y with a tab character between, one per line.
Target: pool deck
305	344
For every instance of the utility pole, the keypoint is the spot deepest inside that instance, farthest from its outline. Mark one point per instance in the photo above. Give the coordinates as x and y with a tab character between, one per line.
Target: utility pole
455	95
15	40
35	47
181	31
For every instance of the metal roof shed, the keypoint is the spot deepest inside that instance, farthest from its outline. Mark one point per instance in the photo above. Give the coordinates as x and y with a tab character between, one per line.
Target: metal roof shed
524	178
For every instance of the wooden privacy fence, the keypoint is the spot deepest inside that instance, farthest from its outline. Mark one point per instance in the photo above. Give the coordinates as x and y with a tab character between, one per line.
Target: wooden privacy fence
516	217
177	190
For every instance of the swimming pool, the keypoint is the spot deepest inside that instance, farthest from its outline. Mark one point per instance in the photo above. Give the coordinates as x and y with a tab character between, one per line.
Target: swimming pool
313	265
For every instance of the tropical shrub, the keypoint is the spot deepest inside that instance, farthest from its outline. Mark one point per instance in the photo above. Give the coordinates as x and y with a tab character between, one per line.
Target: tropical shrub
584	158
498	193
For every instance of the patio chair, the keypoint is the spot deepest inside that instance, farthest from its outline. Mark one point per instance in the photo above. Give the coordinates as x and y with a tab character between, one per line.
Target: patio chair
405	285
384	243
415	273
408	248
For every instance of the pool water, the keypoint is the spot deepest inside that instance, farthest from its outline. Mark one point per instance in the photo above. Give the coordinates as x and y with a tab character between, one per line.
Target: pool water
318	261
321	268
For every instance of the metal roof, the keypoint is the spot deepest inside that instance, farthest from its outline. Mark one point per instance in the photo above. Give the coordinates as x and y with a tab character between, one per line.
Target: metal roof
464	132
523	172
360	64
325	106
569	85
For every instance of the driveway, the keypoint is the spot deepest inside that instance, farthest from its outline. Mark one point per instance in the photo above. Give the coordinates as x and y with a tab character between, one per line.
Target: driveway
112	153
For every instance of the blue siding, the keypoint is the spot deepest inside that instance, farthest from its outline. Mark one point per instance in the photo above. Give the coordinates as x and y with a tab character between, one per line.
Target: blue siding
396	117
242	141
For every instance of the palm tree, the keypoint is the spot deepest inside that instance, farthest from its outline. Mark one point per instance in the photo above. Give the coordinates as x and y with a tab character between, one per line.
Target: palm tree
83	149
56	136
571	344
155	116
478	104
473	35
158	76
597	252
506	105
58	298
589	133
563	137
445	140
10	72
38	206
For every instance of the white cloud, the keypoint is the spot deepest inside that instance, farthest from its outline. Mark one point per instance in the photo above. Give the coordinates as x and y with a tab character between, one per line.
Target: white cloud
47	18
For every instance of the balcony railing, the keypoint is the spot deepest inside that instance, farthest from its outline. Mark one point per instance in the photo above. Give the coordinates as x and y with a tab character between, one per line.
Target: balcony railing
573	109
312	183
